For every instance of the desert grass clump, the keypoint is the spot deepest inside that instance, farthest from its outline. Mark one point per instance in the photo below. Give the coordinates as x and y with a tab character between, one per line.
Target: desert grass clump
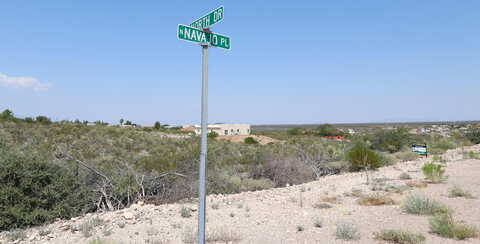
215	206
422	205
456	191
445	226
322	205
400	237
318	223
16	235
347	231
300	228
185	212
406	156
88	226
375	199
416	184
404	176
433	172
332	199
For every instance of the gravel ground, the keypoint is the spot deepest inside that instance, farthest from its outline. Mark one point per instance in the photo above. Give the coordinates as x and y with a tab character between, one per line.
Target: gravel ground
277	215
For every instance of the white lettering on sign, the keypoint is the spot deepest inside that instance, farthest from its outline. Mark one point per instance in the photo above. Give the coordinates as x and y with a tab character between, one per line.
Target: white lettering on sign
218	15
195	35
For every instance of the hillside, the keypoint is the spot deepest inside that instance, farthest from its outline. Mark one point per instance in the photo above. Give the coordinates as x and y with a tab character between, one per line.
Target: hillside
284	215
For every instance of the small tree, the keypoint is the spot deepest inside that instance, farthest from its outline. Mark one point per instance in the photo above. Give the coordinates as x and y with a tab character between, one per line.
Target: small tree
43	120
250	140
474	135
363	158
212	134
157	126
7	114
121	121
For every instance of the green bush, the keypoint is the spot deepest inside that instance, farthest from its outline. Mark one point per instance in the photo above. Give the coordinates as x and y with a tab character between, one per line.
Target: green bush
361	157
406	156
473	135
347	231
445	226
34	191
212	134
422	205
250	140
433	172
400	237
328	130
390	140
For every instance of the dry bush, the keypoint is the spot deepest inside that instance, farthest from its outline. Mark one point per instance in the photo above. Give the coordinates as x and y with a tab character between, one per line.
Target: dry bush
406	156
283	171
400	237
456	191
332	199
416	184
347	231
322	205
445	226
214	234
404	176
422	205
375	199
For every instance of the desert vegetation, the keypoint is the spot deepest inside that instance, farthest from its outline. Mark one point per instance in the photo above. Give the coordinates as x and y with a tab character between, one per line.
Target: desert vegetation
85	167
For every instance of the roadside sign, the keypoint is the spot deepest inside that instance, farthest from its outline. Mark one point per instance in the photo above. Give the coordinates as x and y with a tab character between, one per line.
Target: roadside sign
199	32
188	33
420	149
220	41
209	19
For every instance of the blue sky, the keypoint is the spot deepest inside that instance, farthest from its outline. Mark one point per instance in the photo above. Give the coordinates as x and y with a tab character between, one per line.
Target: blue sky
290	62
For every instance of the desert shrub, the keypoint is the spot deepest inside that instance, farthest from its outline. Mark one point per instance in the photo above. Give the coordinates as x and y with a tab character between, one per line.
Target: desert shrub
422	205
35	192
400	237
250	140
456	191
387	159
361	157
317	222
390	140
445	226
327	130
322	205
433	172
294	131
289	170
375	199
212	134
185	212
88	226
473	135
347	231
473	155
406	156
404	176
16	235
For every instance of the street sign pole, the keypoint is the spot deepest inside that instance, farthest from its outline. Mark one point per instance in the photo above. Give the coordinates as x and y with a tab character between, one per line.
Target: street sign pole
203	147
199	32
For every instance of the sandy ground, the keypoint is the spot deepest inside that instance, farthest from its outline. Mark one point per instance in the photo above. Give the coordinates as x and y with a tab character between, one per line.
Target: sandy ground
273	216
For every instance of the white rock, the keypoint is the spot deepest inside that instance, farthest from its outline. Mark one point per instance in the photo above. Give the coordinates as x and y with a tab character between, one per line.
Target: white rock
128	215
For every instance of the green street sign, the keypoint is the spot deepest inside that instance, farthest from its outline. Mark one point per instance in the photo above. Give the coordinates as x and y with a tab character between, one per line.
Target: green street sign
188	33
208	20
220	41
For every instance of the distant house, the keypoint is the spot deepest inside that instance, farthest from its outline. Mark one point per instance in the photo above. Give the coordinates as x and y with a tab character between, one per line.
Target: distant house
222	129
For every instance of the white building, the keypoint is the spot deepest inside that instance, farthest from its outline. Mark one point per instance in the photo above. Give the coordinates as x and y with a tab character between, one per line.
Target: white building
223	129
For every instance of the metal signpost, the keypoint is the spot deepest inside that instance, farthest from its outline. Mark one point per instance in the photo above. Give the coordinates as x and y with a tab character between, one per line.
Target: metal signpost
199	32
